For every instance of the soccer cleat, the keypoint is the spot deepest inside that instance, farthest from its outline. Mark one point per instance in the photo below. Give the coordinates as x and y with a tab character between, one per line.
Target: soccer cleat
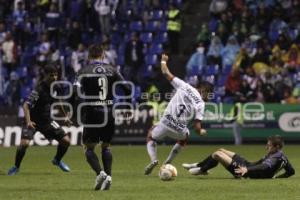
13	171
150	167
189	166
197	171
99	180
63	166
106	183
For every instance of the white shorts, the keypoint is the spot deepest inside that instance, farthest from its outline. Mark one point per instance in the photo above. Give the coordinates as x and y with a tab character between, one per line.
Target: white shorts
160	132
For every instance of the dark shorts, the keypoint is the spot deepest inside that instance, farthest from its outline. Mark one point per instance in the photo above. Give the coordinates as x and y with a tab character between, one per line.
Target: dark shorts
96	134
237	160
51	131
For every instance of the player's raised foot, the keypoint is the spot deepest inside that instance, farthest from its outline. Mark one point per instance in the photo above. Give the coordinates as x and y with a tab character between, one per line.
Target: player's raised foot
150	167
106	183
197	171
13	171
99	180
63	166
189	166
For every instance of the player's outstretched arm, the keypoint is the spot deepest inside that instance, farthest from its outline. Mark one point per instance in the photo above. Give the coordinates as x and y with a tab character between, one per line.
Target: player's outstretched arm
29	123
198	128
164	67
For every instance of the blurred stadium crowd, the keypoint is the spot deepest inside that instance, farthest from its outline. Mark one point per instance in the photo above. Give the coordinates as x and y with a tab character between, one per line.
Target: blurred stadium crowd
249	49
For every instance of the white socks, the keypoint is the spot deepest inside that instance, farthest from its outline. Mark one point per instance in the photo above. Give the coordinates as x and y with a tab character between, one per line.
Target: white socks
151	148
175	150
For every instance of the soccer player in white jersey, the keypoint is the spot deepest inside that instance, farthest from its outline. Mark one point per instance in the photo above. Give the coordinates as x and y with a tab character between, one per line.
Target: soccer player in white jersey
186	106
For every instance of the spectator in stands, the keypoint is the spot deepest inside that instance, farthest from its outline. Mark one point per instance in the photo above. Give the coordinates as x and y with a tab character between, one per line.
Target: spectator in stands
289	98
214	51
233	83
292	59
222	32
109	52
20	18
134	58
103	8
197	61
75	34
53	23
251	78
9	53
13	90
242	61
203	36
174	28
43	50
218	6
230	51
79	58
2	32
270	94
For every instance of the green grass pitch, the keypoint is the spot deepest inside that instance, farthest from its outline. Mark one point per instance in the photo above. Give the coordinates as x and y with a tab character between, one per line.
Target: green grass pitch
39	179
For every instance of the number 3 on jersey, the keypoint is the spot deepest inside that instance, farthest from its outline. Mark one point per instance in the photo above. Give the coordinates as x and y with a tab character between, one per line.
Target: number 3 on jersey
102	82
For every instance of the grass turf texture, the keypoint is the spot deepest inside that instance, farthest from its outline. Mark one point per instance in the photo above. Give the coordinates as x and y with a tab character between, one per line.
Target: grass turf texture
39	179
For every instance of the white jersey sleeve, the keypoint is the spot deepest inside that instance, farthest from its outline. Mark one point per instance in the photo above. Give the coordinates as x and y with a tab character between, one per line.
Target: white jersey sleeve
178	83
199	111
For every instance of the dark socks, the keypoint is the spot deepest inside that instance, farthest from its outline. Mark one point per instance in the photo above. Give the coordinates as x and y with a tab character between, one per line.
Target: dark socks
207	163
21	150
93	160
61	150
107	160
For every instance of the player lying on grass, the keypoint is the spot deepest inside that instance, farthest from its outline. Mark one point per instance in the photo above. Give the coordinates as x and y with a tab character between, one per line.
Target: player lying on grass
37	110
267	167
187	105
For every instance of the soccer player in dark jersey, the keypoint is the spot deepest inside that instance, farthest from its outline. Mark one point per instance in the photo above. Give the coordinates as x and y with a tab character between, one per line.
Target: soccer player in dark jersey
37	108
267	167
96	88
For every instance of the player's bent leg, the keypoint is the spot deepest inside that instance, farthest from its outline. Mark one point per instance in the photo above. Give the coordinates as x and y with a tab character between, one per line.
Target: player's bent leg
175	150
62	148
223	158
20	153
152	152
228	153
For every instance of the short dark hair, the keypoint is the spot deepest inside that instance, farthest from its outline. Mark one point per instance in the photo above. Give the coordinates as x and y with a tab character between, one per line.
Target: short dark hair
50	68
205	86
95	51
276	140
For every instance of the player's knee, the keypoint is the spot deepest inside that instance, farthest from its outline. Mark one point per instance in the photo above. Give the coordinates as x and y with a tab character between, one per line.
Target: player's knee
65	141
216	155
24	144
149	137
105	146
181	142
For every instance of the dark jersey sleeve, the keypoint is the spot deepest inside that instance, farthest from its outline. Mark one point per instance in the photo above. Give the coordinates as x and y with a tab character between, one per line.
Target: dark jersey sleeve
32	99
289	170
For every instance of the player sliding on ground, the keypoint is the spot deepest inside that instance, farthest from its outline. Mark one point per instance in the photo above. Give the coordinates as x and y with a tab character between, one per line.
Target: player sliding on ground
267	167
187	105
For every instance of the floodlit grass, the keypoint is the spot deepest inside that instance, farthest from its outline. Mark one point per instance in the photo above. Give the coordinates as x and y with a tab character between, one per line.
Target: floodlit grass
39	179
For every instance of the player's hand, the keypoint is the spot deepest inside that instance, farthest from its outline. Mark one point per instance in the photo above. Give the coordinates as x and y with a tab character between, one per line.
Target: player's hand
164	57
202	132
241	170
68	122
31	124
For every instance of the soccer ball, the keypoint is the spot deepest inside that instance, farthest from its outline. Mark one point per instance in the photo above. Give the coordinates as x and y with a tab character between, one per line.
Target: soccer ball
167	172
172	169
